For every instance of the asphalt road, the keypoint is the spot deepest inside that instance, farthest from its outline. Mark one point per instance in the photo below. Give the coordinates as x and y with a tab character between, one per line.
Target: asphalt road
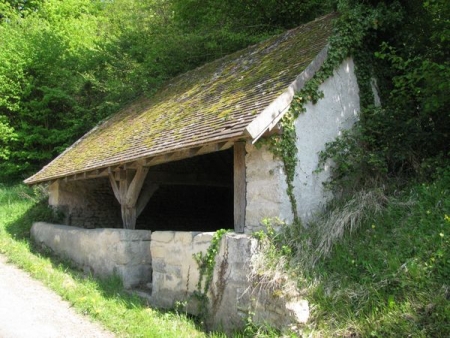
29	310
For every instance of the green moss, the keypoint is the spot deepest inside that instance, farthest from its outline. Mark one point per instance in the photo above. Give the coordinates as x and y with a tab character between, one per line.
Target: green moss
213	97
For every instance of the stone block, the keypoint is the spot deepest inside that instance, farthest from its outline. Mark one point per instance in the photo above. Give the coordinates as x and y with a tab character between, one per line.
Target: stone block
159	265
134	235
157	250
203	238
184	238
162	236
133	276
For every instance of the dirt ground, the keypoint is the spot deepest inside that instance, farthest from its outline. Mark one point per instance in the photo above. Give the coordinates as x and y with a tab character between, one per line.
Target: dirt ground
29	310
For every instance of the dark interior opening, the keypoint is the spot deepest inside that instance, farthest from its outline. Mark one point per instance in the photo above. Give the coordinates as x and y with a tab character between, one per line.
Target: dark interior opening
194	194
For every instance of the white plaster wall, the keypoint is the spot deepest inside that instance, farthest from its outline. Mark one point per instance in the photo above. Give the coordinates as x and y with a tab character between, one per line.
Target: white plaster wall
322	123
266	189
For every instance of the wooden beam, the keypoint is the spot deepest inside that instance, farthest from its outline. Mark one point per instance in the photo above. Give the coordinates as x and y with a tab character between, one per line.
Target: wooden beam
239	187
127	192
135	186
128	214
129	217
149	161
187	153
115	187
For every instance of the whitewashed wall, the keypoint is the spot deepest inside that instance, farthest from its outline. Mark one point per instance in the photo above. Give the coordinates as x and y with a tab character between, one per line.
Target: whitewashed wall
321	123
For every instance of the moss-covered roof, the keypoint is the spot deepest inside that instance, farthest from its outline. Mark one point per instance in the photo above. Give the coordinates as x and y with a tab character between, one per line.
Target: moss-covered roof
213	103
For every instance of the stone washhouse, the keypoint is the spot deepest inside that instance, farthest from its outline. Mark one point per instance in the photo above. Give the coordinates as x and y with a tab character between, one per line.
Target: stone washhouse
146	189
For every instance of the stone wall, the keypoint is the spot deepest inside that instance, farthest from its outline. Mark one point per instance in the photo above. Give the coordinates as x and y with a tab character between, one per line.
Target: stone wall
233	297
175	272
86	203
266	189
102	252
135	255
320	123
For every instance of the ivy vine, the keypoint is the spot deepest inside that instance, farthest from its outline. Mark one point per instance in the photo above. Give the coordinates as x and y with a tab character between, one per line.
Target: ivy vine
206	263
347	37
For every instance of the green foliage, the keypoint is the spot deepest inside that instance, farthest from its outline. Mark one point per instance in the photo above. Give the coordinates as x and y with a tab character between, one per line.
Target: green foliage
206	263
66	65
239	20
42	57
396	268
403	47
386	277
272	237
7	135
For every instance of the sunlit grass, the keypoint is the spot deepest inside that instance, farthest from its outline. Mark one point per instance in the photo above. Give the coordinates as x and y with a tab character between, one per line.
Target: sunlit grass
391	278
377	266
103	300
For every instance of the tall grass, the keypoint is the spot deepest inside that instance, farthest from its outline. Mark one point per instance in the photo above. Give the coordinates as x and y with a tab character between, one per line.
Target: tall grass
392	277
373	266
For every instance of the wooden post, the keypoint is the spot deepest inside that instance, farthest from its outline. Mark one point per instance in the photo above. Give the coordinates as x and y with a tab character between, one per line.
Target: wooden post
239	187
127	192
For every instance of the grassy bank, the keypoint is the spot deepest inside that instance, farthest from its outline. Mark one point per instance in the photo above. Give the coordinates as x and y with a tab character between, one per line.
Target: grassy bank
377	265
104	301
392	277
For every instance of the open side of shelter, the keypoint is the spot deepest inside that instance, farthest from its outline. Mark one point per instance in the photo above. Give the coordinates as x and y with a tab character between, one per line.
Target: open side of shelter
191	194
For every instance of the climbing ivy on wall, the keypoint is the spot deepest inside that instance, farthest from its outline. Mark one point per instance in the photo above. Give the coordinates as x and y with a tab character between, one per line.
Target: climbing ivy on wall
407	137
206	263
350	29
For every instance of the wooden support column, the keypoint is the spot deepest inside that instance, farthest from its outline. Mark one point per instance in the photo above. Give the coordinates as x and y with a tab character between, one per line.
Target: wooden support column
239	187
127	192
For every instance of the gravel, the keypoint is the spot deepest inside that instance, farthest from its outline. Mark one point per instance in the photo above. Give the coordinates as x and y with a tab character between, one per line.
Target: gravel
29	310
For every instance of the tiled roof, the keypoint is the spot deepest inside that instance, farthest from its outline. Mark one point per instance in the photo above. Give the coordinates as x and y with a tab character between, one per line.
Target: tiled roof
213	103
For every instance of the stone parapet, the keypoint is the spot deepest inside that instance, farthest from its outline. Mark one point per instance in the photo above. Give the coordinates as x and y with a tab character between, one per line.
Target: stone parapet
175	272
234	296
102	252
